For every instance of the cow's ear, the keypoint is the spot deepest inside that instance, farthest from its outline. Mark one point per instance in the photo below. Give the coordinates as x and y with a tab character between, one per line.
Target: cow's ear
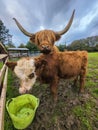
32	39
57	36
11	65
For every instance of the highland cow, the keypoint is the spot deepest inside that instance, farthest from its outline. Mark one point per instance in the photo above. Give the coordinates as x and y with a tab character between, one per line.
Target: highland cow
45	39
50	68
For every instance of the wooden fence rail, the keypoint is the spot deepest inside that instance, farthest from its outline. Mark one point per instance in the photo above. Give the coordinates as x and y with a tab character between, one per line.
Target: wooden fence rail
3	87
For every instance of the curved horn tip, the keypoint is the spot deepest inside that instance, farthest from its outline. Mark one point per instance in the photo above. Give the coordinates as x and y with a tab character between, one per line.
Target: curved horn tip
73	11
22	29
14	18
68	25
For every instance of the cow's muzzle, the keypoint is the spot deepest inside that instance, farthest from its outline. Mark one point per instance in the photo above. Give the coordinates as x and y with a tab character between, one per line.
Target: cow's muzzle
46	51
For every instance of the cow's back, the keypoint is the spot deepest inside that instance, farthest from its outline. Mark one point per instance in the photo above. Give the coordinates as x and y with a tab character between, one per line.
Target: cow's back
71	63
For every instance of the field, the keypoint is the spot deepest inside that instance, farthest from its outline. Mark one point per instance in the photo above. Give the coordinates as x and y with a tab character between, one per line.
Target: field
72	111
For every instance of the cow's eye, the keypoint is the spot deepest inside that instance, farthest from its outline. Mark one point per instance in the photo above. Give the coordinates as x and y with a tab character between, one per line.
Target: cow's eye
31	75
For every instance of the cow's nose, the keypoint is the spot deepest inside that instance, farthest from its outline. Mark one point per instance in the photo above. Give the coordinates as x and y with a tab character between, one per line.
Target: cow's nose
45	46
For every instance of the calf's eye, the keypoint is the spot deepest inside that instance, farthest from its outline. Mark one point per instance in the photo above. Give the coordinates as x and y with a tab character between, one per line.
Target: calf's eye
31	75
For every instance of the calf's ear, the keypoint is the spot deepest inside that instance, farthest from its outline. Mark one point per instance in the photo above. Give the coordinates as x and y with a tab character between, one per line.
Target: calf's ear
11	65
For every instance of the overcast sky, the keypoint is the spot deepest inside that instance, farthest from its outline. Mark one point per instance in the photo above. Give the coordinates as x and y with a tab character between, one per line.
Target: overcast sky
35	15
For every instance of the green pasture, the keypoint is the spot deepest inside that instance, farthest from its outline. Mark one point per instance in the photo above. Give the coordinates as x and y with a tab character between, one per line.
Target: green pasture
88	114
92	74
1	65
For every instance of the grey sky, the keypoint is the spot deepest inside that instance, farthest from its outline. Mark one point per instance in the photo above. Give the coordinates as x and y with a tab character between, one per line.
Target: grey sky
35	15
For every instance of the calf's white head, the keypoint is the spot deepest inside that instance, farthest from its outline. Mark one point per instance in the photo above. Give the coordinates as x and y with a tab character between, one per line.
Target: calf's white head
25	71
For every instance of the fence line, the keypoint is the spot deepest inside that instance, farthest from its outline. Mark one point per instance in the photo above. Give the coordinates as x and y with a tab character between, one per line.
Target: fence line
3	87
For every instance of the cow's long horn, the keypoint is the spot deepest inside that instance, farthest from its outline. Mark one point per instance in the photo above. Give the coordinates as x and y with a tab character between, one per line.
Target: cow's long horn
22	29
68	25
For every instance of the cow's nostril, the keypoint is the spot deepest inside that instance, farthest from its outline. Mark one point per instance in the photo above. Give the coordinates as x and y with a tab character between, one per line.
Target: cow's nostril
43	46
47	47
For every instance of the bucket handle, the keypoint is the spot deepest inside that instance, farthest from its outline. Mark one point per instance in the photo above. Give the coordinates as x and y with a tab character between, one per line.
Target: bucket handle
7	104
37	103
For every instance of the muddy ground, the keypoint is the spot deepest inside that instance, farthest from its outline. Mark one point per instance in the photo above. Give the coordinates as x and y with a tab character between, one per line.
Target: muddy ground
72	111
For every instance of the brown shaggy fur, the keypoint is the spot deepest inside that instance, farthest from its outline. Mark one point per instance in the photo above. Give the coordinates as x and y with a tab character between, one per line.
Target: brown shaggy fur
50	68
45	40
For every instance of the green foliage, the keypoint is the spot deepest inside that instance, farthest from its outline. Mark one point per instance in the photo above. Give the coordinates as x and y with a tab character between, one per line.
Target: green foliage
10	45
77	45
21	45
90	44
96	47
3	32
31	47
62	47
95	92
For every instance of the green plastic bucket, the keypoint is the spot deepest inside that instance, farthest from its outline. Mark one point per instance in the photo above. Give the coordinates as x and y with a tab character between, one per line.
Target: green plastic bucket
22	110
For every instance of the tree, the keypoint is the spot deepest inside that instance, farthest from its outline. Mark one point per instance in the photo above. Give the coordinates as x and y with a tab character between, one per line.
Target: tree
21	45
96	47
62	47
31	47
10	45
4	33
77	45
90	44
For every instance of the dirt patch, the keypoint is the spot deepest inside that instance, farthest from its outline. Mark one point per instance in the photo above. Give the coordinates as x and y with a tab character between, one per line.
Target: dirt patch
72	111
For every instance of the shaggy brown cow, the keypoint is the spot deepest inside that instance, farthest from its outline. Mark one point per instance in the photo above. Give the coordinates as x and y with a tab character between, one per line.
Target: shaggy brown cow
45	39
50	68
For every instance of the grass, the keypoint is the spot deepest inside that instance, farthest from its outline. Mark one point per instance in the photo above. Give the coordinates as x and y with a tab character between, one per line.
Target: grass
12	91
92	76
80	113
1	65
86	113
